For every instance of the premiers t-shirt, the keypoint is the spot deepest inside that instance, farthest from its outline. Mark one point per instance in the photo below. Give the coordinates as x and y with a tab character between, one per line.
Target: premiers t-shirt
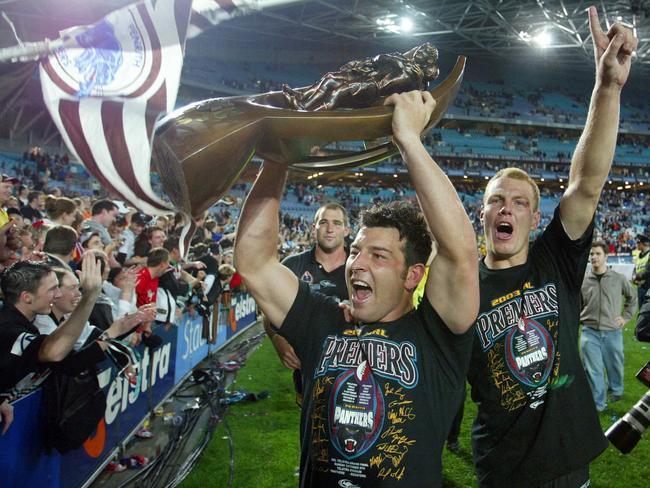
536	417
379	398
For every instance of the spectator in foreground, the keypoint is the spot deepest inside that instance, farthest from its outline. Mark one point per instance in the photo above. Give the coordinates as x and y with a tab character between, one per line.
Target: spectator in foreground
30	288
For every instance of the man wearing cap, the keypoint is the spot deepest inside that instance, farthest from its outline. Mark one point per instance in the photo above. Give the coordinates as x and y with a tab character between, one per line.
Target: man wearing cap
6	190
641	267
135	228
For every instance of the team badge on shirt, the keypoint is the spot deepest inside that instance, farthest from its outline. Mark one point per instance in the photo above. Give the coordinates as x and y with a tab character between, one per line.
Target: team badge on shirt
307	277
356	411
529	352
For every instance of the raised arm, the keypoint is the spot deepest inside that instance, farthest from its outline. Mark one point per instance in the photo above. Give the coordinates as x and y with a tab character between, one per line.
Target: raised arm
60	342
594	153
273	286
452	284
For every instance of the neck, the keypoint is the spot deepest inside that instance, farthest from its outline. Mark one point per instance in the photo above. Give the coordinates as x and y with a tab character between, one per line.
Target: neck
404	307
600	270
495	262
24	309
57	313
331	260
66	259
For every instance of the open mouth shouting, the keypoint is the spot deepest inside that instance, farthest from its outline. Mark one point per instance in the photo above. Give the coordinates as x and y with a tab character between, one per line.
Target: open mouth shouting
504	231
361	291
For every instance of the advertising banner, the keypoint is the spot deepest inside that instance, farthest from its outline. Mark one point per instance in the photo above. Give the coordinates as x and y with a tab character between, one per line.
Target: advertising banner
24	459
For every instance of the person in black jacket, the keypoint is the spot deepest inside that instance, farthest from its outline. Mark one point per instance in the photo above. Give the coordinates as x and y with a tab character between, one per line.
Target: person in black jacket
29	288
642	331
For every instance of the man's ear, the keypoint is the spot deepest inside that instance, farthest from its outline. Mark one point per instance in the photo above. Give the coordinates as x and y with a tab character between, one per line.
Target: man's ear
414	275
537	218
26	297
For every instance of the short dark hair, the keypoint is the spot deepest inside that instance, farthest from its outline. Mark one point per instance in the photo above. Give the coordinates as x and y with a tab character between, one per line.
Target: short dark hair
170	244
100	205
60	239
33	195
22	276
601	244
114	273
55	207
409	222
332	206
157	256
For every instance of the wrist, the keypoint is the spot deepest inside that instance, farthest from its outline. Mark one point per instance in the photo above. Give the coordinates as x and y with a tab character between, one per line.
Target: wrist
607	88
407	141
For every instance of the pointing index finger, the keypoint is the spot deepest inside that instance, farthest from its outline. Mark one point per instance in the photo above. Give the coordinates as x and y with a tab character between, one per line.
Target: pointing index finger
598	37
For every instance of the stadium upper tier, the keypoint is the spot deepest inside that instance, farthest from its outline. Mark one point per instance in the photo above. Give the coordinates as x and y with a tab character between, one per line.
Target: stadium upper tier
524	101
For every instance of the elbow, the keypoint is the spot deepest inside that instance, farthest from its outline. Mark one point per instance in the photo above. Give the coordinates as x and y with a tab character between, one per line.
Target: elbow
465	323
49	353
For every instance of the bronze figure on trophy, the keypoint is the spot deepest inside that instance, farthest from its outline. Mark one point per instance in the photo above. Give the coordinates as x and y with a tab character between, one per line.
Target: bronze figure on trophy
362	83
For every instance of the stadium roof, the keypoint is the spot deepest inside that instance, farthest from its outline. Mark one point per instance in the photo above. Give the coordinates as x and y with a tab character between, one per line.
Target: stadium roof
487	28
336	31
503	29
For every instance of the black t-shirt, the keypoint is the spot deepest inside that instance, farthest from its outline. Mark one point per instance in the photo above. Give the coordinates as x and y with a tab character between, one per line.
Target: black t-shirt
141	247
20	369
379	399
31	213
307	269
536	416
20	342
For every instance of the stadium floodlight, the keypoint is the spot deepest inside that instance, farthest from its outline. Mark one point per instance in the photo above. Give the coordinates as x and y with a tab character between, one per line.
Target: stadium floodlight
543	39
406	24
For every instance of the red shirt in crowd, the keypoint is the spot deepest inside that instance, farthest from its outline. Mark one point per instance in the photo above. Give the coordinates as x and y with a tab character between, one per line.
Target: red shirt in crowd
146	288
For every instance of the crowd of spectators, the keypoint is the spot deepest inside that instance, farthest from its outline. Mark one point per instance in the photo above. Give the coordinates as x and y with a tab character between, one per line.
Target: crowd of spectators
132	278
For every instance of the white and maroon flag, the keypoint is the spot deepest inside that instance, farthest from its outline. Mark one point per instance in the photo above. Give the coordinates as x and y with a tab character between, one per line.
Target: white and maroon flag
110	82
208	13
108	86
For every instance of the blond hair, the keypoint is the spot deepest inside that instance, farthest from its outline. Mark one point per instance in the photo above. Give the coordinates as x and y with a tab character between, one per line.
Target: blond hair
515	174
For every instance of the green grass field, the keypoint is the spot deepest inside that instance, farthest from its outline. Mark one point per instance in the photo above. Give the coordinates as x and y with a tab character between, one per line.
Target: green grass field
265	434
